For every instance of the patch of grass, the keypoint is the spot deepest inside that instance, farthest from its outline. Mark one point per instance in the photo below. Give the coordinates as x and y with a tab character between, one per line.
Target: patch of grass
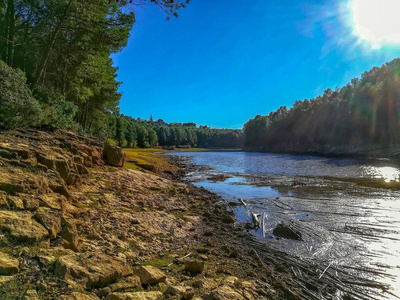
150	156
158	262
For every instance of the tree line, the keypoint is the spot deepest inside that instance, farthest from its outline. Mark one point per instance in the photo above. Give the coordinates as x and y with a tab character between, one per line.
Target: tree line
130	132
362	115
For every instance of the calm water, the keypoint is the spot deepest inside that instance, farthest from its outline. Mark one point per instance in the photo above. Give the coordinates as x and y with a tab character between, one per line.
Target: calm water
347	210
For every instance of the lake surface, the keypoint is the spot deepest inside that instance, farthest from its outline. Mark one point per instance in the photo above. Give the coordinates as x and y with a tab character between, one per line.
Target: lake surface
347	211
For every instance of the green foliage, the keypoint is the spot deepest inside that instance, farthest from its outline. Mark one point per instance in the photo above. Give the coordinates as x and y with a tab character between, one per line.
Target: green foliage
147	134
364	114
17	106
57	113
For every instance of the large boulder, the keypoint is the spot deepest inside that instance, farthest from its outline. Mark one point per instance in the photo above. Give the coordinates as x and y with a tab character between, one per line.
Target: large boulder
8	264
114	156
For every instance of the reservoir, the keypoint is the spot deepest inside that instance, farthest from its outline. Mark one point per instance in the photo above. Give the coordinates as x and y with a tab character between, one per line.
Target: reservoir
345	210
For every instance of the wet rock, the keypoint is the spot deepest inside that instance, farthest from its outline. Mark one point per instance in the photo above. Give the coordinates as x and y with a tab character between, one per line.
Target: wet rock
228	219
194	266
135	296
21	226
8	264
225	292
150	275
114	156
285	231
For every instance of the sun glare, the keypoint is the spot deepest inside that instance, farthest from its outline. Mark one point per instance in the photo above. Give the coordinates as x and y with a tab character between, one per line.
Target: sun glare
377	21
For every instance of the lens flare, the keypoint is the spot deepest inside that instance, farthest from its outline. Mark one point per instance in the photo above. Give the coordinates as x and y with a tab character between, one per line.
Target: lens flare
376	21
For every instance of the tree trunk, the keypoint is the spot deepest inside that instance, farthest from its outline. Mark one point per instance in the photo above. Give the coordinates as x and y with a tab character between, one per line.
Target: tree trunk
46	53
10	31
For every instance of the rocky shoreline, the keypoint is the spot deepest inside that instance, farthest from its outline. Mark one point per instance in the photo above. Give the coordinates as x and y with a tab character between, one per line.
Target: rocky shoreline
73	227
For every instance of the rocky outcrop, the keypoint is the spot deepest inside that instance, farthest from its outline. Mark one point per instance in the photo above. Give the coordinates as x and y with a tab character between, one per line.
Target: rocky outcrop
114	156
73	229
8	264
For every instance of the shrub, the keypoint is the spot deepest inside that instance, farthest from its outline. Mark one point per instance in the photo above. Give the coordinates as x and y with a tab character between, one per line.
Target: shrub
17	106
57	113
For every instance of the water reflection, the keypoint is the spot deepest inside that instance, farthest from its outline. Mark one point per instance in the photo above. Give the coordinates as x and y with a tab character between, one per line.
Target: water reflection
355	227
388	174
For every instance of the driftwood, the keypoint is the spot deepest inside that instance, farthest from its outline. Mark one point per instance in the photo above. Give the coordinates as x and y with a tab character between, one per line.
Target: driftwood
256	220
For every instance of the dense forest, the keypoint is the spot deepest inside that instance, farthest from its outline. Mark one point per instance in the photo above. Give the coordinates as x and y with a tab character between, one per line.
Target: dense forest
362	116
56	72
129	132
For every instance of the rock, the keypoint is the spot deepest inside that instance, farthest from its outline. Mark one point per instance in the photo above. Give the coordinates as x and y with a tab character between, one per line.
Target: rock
184	291
70	235
50	201
15	203
8	264
285	231
66	172
230	280
31	203
194	266
95	270
126	283
50	219
30	295
150	275
135	296
149	167
134	220
6	279
248	285
114	156
21	226
79	296
104	292
205	283
228	219
225	292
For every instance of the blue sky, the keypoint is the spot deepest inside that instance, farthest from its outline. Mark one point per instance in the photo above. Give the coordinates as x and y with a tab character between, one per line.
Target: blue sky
223	62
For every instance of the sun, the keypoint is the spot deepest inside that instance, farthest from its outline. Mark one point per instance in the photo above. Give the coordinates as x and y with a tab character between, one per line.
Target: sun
377	21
